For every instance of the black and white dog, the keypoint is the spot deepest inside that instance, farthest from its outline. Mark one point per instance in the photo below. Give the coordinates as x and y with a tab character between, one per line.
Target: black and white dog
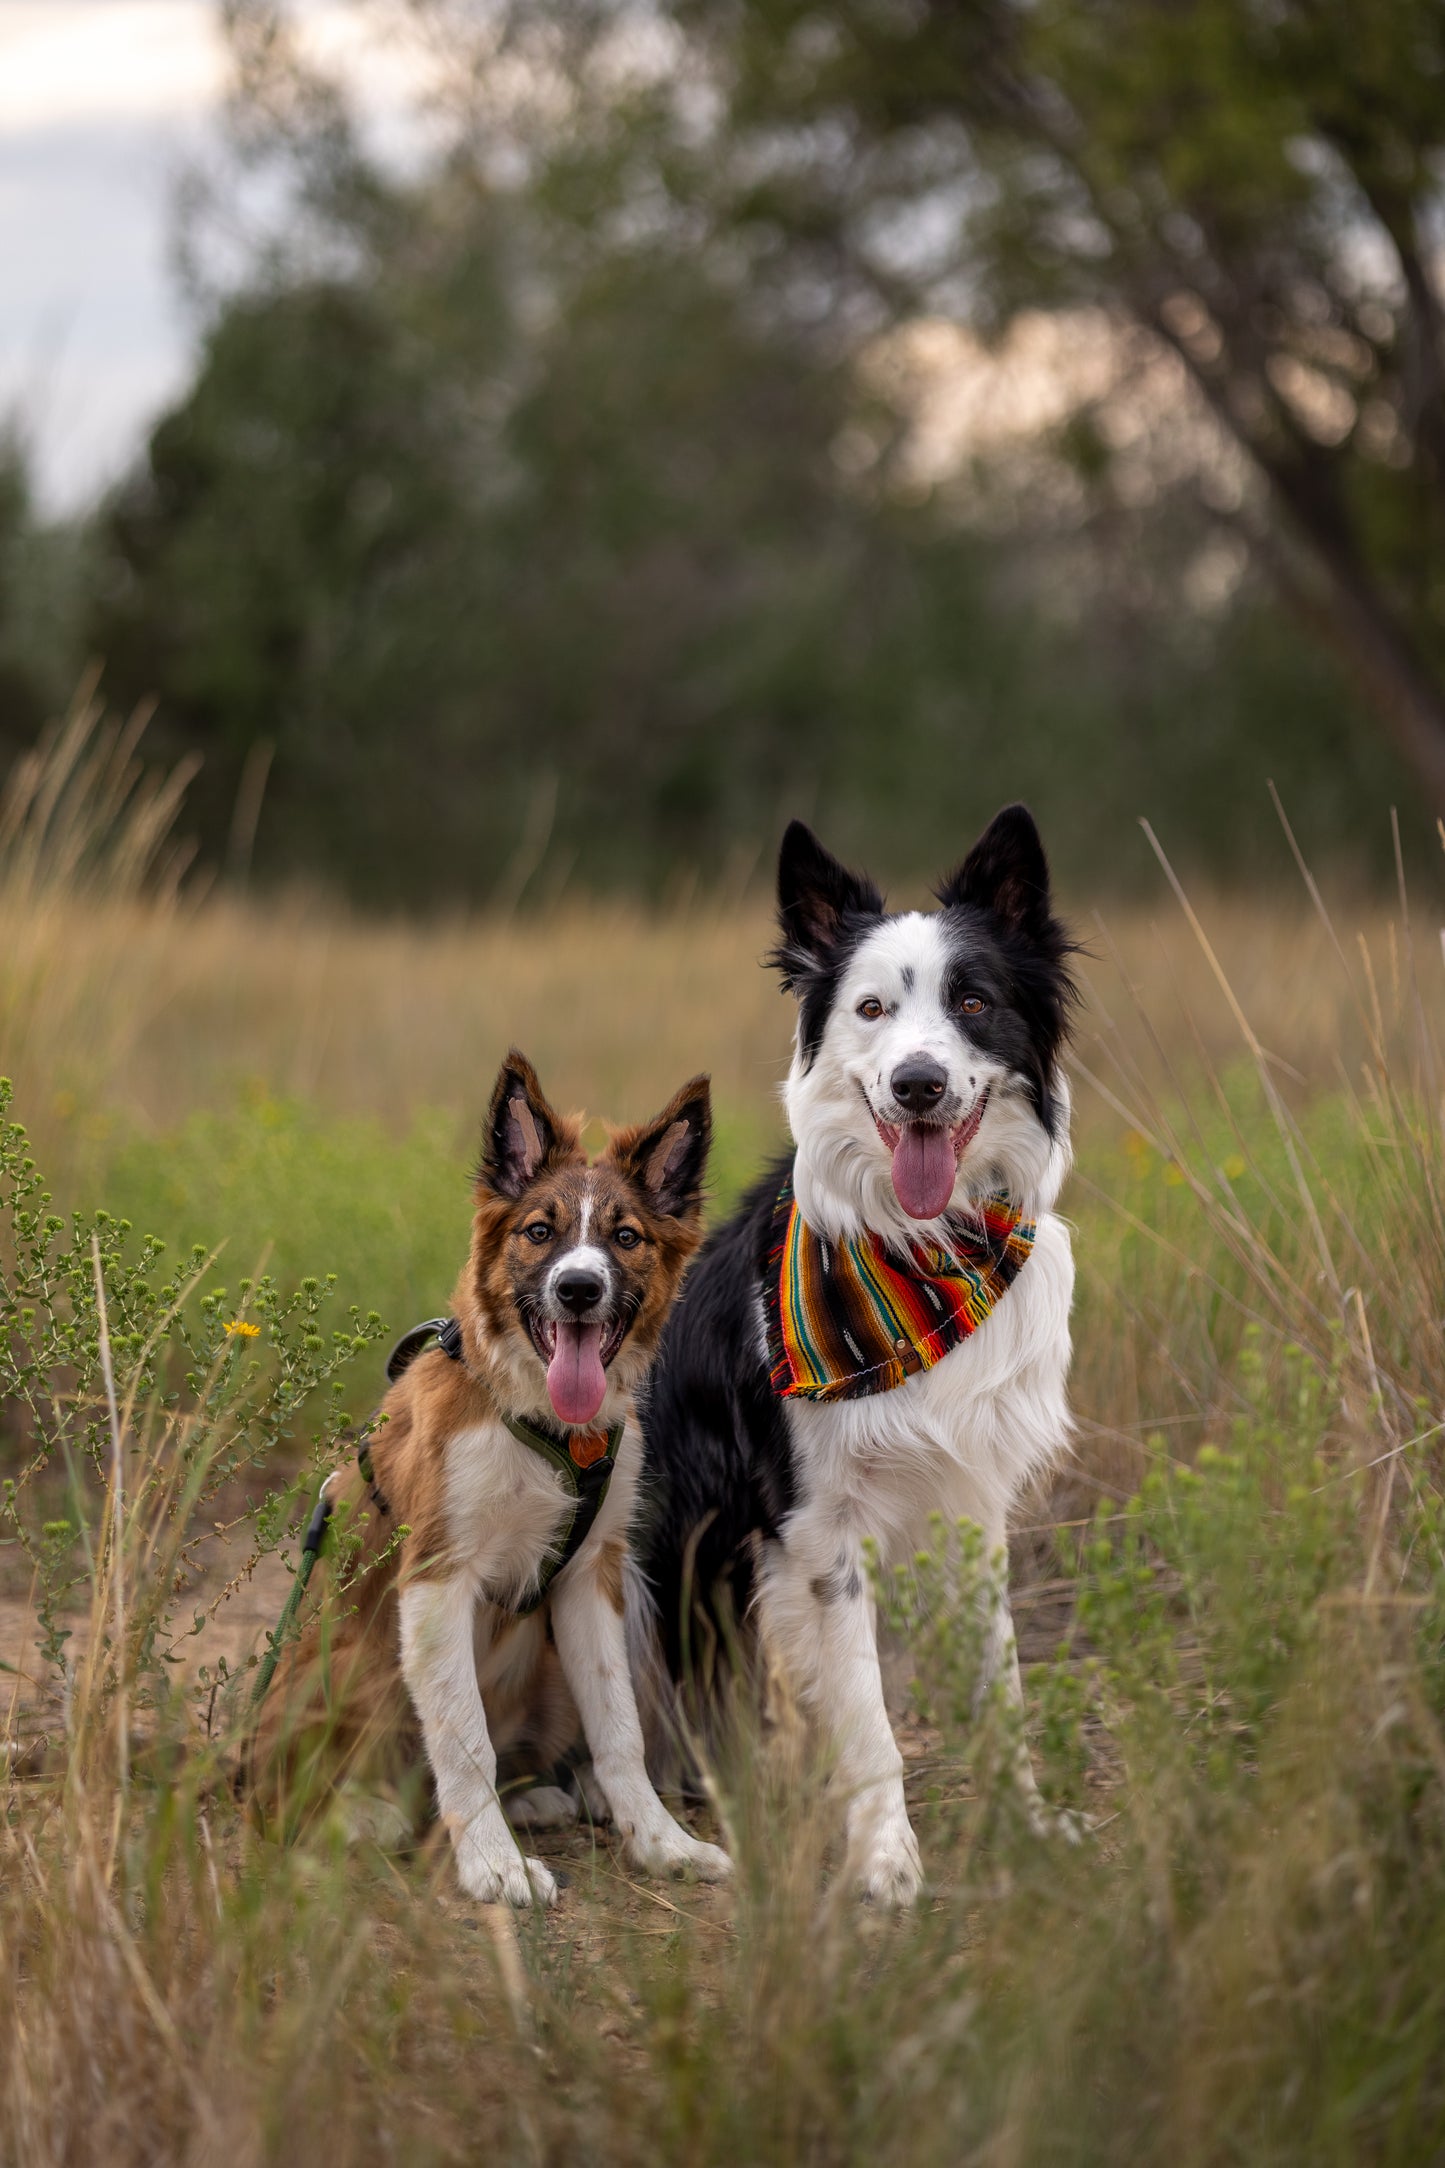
925	1088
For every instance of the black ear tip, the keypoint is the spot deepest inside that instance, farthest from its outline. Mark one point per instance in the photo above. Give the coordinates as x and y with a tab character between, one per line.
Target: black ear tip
799	845
1015	821
1007	869
1014	828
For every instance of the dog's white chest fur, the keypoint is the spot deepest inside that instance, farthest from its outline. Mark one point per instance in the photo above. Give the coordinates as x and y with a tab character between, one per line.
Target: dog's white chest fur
507	1510
961	1438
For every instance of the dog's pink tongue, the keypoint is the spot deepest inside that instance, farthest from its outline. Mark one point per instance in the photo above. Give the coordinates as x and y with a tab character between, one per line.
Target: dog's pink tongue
576	1380
923	1170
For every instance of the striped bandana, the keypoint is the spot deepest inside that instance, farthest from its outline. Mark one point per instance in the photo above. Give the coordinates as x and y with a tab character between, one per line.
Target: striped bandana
853	1318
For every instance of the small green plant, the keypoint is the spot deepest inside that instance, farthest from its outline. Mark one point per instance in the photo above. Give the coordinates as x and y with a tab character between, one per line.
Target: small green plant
147	1400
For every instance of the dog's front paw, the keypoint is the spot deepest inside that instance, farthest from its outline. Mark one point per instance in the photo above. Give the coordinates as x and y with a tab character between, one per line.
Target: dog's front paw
889	1871
673	1852
498	1877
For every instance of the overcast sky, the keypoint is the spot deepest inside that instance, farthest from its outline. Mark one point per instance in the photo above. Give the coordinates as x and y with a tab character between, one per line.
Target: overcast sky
100	101
101	104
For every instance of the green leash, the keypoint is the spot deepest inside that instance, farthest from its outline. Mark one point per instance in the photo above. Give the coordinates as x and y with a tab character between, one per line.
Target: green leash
310	1551
586	1464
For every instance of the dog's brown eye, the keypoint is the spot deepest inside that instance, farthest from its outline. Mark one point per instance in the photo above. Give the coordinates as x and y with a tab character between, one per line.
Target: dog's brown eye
871	1009
973	1005
627	1238
538	1232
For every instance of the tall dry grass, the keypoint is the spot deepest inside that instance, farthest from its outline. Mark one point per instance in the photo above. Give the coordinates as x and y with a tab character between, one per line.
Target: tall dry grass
116	986
1240	1586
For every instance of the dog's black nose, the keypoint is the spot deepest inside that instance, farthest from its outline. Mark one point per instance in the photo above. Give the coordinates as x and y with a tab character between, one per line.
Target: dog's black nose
918	1083
577	1289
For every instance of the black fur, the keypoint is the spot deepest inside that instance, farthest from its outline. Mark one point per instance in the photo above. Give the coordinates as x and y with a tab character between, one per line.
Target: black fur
719	1463
1010	948
824	910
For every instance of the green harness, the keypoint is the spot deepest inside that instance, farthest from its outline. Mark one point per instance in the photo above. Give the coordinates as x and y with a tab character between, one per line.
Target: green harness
585	1462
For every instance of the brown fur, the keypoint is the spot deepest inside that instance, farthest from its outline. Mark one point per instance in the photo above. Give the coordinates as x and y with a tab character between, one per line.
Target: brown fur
610	1568
338	1709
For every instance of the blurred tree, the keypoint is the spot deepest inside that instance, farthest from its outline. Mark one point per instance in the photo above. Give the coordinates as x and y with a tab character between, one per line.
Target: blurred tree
1256	183
489	593
532	498
43	594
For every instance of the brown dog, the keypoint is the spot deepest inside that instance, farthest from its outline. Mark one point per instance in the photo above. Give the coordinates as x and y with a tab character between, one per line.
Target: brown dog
476	1561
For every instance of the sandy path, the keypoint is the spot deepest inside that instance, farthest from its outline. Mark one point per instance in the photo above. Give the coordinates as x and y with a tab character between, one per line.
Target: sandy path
31	1692
32	1701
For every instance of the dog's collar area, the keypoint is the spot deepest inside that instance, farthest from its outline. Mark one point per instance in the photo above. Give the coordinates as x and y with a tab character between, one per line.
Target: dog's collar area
585	1460
581	1450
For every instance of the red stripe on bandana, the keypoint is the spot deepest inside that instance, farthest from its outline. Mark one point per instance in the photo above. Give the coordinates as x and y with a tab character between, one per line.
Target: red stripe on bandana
846	1319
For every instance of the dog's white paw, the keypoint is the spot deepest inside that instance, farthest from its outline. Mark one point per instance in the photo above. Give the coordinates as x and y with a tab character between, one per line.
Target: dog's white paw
674	1852
889	1871
503	1879
545	1806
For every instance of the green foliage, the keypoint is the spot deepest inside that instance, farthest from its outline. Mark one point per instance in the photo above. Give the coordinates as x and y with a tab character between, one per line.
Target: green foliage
1203	1598
207	1388
289	1181
559	534
1255	188
46	587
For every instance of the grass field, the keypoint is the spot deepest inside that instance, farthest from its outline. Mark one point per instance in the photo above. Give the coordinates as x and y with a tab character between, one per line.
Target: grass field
1234	1596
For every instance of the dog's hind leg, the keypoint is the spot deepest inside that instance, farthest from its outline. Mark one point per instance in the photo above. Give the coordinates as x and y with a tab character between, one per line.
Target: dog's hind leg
542	1806
596	1802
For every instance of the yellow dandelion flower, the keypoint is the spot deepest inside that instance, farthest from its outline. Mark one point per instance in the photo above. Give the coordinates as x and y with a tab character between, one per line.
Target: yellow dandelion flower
1234	1168
240	1328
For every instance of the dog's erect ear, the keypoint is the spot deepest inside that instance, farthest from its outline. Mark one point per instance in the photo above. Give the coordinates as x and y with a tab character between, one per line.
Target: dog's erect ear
1006	872
668	1155
817	897
521	1133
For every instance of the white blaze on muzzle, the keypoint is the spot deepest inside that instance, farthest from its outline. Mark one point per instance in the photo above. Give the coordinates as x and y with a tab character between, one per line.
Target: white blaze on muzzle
577	1296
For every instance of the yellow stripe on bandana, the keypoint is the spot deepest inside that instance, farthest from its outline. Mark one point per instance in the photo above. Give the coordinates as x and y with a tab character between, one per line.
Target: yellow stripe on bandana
846	1319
